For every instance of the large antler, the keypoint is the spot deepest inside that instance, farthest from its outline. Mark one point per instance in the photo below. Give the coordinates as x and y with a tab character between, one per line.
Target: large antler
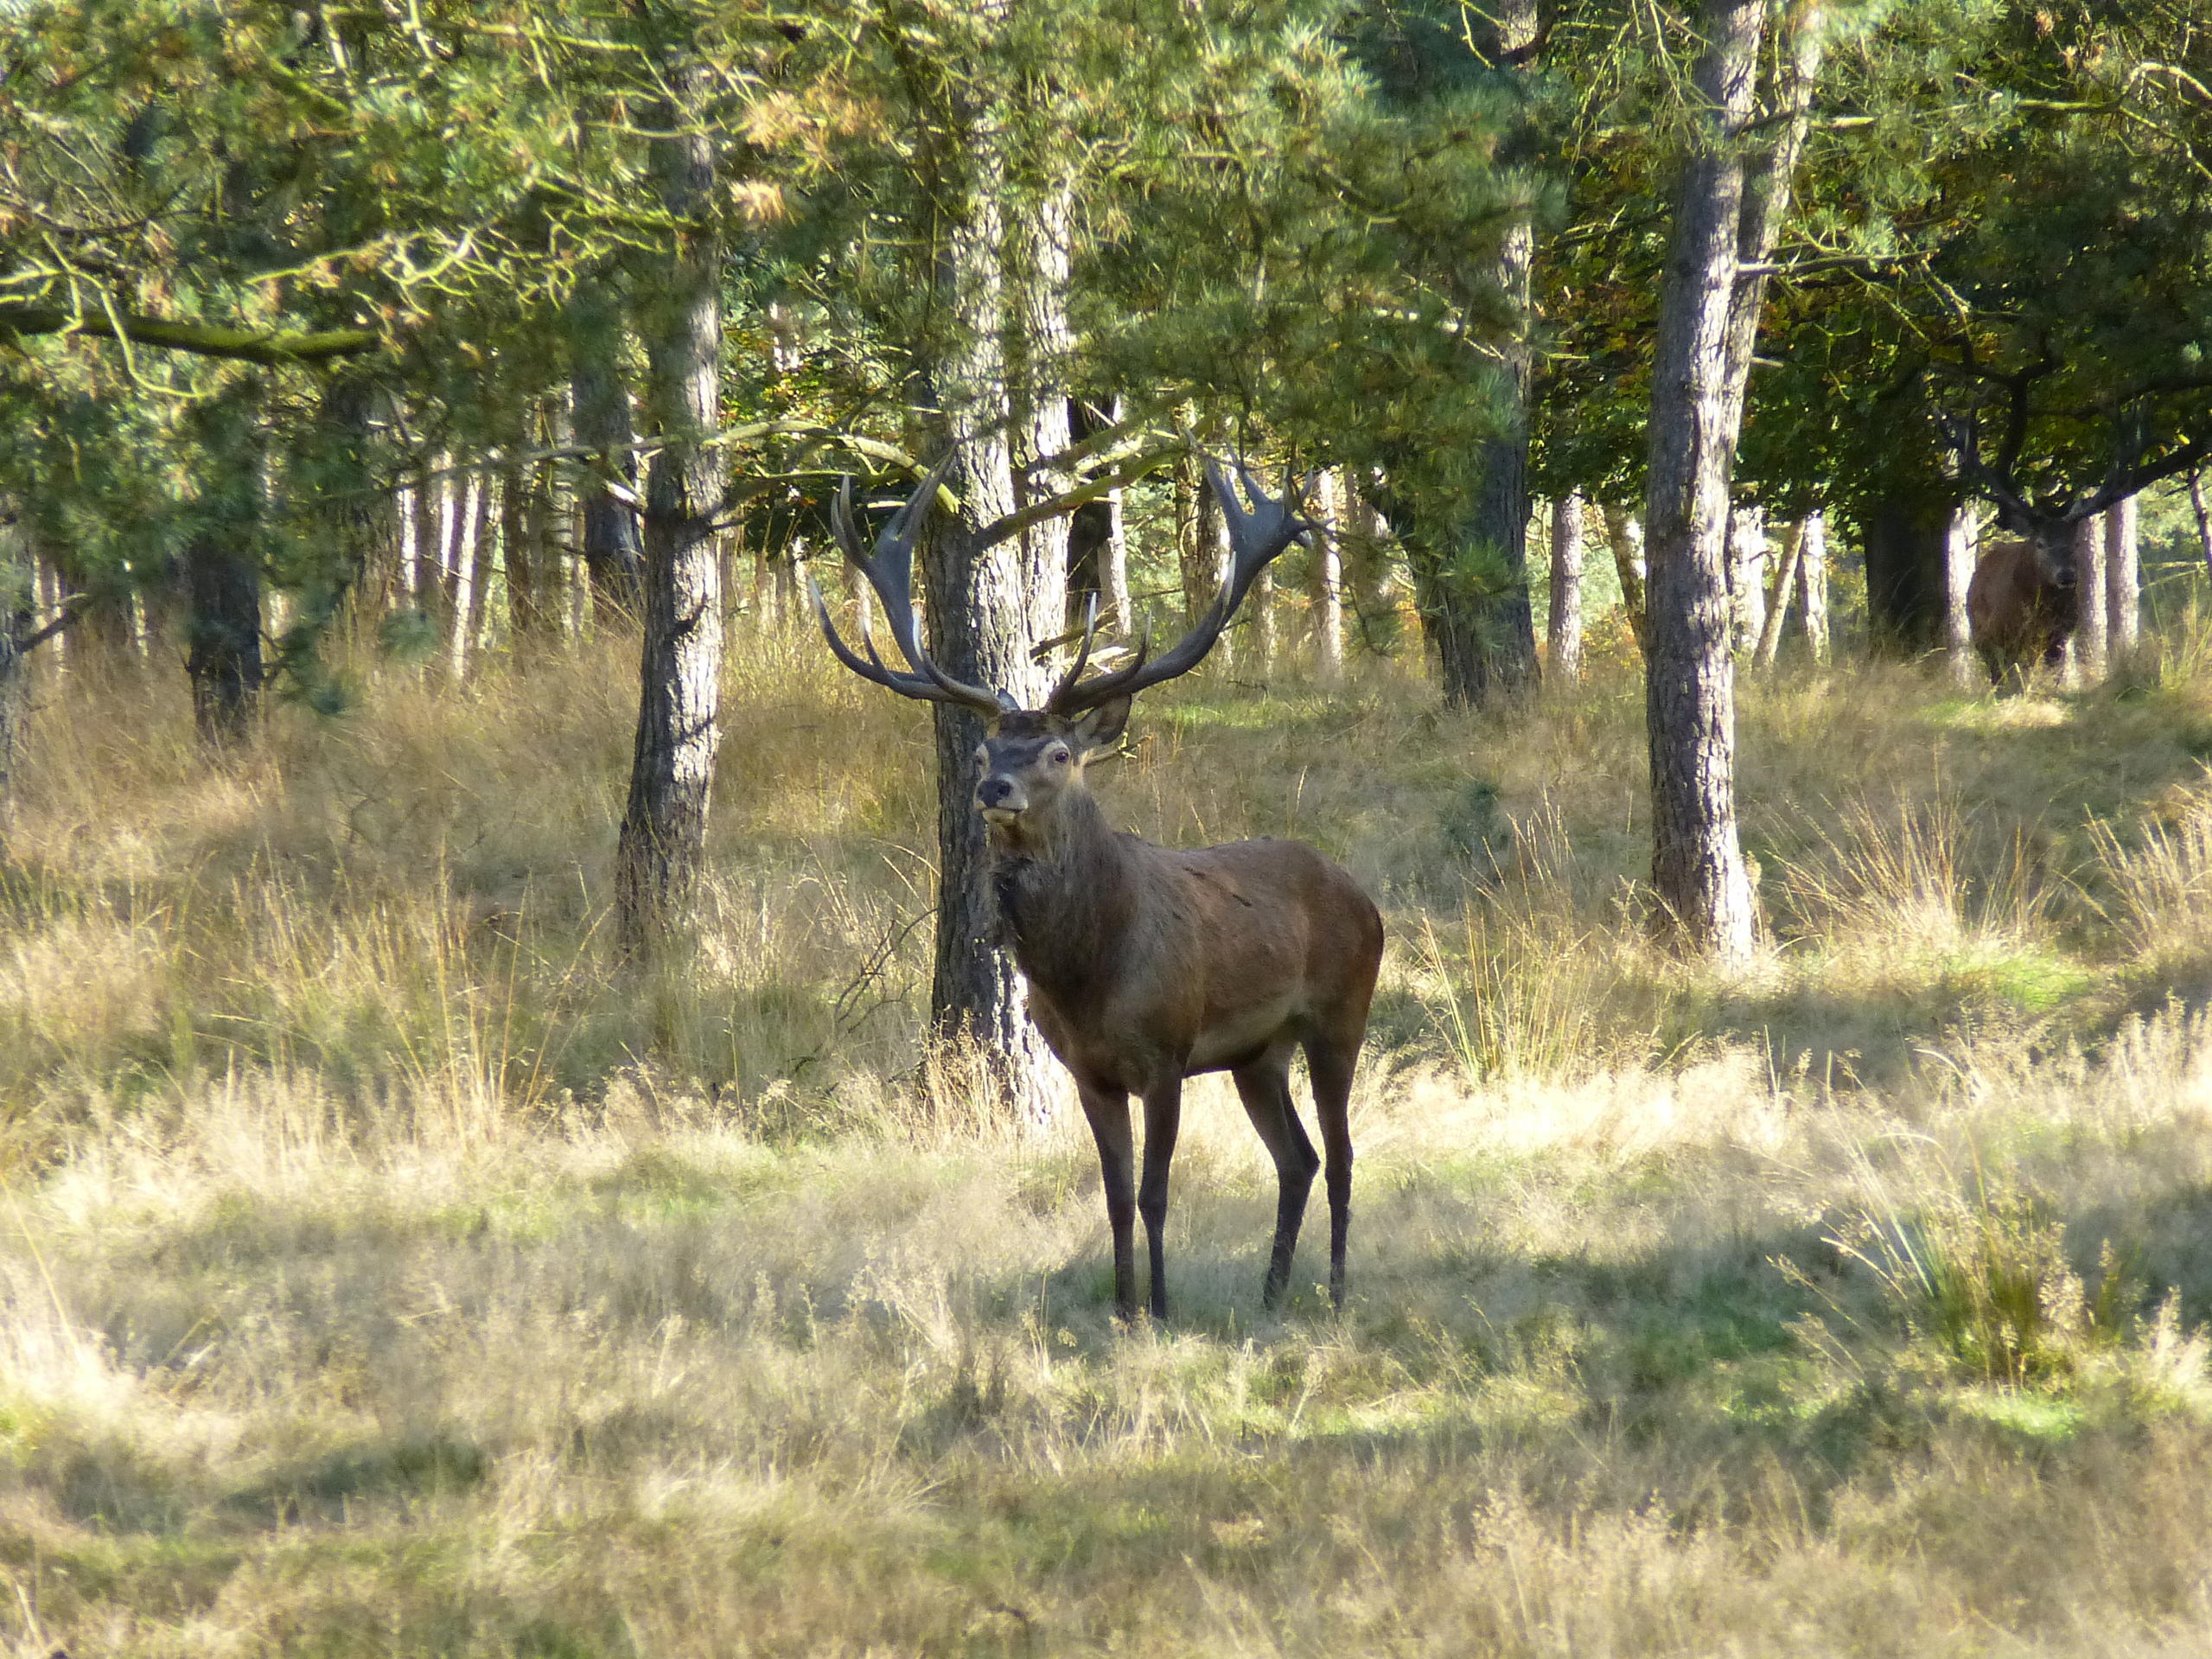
890	572
1255	539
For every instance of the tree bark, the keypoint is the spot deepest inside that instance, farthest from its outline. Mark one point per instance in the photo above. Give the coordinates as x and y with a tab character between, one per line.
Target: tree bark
988	607
2092	657
471	570
1624	534
2204	517
18	615
222	570
1486	633
1329	576
1813	585
601	403
1748	552
1777	601
1563	635
1962	545
663	837
2123	579
1698	871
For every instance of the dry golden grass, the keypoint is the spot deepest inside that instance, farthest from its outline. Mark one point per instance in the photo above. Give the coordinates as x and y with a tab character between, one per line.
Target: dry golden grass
381	1272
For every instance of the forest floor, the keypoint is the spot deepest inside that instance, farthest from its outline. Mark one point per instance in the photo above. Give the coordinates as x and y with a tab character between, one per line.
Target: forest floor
382	1271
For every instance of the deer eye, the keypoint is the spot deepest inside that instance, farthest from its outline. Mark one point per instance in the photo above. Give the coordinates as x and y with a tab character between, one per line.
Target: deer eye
1058	757
982	757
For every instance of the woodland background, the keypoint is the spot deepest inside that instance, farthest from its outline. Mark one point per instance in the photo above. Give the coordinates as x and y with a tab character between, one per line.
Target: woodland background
498	1156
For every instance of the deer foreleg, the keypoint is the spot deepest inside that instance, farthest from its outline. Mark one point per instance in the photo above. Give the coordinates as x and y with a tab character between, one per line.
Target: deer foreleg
1108	1110
1162	1118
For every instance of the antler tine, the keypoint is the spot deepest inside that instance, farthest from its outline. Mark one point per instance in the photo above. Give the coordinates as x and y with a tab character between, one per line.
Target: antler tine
871	668
1082	654
1256	538
890	571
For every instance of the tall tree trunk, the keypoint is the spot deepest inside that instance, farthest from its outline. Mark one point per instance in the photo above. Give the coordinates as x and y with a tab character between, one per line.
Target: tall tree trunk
1813	585
663	836
2092	655
988	607
2123	579
471	569
1698	871
1748	552
18	617
602	418
1486	630
1329	576
1624	534
1961	542
1905	536
1778	590
1563	635
1261	603
2203	518
222	568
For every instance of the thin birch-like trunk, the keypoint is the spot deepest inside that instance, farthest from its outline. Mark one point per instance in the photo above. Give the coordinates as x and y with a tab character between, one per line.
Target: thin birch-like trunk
2091	656
662	841
1563	635
1698	875
1778	592
2123	579
1624	535
1813	585
1749	549
1962	547
1328	575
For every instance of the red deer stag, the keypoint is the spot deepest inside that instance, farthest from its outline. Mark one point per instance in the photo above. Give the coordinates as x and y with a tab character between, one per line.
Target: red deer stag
2023	601
1147	965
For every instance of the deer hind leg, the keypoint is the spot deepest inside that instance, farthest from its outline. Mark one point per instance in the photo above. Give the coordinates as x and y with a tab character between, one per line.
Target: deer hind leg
1265	1088
1162	1118
1330	1061
1107	1109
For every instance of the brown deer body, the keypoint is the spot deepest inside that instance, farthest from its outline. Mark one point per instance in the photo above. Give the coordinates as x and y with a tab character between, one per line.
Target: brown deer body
1147	965
2023	603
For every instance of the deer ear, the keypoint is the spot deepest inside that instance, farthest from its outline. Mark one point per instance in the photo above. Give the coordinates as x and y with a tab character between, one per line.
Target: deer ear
1102	727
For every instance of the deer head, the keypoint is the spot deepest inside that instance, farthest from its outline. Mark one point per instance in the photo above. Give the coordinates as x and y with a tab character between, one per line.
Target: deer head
1031	761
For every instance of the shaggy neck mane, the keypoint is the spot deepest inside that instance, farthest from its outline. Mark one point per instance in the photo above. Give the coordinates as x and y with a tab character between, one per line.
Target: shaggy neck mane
1062	894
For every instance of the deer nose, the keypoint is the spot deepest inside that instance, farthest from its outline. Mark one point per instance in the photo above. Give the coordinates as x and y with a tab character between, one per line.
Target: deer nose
998	792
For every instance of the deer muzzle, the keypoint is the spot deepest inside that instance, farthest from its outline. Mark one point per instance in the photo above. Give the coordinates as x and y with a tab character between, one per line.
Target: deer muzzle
1001	800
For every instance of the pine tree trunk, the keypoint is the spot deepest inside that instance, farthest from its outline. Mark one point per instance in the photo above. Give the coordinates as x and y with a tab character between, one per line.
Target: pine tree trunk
1813	585
1328	575
2091	655
363	537
602	417
1261	603
1698	871
1624	534
1563	635
1487	639
663	836
18	617
1961	542
2123	580
1778	590
989	607
2204	517
222	570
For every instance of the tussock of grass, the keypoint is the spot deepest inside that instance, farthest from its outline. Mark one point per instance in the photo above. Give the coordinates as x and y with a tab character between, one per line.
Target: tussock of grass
382	1270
